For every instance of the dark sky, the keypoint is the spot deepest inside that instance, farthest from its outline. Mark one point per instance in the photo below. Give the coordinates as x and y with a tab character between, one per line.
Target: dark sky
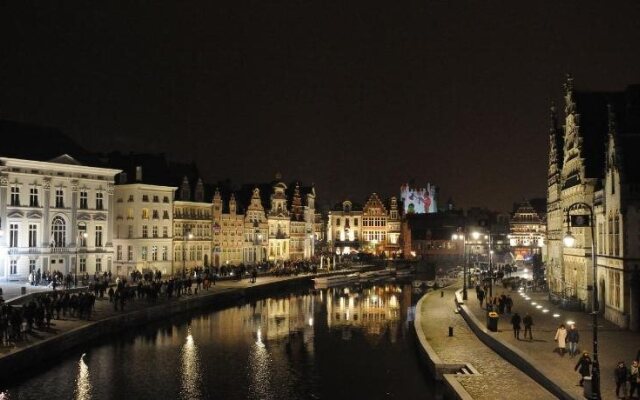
356	96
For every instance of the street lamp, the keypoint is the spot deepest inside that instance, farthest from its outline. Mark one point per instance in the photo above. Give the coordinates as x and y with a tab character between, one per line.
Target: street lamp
570	241
462	237
186	236
79	242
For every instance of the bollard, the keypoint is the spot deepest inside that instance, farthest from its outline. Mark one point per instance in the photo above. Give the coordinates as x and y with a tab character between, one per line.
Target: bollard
23	290
0	291
441	293
451	331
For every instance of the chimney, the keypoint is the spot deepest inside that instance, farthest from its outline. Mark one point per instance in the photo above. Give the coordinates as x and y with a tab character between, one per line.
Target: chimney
138	173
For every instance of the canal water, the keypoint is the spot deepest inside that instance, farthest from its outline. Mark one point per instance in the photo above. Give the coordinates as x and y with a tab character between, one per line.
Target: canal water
351	342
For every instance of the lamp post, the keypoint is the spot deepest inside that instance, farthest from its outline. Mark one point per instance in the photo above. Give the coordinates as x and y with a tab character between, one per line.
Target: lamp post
186	236
570	241
79	239
458	236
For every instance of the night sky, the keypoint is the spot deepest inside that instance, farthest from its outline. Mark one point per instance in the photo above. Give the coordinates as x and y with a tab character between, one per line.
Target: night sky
355	96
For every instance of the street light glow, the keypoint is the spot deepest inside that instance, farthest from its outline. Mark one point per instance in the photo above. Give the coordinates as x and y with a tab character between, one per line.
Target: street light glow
475	235
569	240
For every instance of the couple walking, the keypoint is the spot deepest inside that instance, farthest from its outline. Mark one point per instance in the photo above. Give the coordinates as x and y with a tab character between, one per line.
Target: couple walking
528	323
564	336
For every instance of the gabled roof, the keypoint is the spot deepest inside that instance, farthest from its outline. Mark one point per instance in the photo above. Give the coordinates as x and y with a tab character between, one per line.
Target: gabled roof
65	159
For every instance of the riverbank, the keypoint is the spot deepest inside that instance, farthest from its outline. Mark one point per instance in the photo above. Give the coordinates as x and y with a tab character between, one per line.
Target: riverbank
467	368
45	346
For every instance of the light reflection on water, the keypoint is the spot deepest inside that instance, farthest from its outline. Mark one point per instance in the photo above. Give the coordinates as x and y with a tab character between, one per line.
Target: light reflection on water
307	344
83	383
190	371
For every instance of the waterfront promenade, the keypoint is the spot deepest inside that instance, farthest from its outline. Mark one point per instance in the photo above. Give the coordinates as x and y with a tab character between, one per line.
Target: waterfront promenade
42	345
494	377
614	344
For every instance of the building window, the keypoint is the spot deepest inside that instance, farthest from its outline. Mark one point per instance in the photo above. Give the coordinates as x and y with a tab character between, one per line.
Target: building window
143	253
154	231
165	199
337	221
99	201
98	236
616	236
130	232
600	238
98	264
145	198
33	235
145	213
13	267
130	199
15	195
156	199
610	237
156	215
129	253
165	253
83	265
33	197
84	200
82	235
145	231
60	198
119	252
13	235
59	232
32	265
614	289
199	253
154	253
165	214
165	232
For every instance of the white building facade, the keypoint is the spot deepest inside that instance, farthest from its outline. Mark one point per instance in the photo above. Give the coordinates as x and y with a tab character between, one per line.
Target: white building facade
55	216
143	228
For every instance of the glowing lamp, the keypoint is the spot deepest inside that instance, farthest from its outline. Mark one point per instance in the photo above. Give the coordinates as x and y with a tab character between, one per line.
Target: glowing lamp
569	240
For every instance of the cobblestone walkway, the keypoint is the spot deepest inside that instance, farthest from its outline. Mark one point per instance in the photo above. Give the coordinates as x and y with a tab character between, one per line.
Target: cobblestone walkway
614	343
498	379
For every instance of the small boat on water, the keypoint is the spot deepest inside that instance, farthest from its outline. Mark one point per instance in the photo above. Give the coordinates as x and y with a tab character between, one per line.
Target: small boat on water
373	275
327	281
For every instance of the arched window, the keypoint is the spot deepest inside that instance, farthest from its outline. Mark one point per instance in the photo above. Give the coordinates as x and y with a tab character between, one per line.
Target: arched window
58	232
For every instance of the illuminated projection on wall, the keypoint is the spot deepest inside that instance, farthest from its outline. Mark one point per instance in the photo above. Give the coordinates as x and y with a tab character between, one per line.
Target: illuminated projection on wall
419	200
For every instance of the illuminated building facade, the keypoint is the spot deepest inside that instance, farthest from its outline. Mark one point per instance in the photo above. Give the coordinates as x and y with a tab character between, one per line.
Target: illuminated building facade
228	231
419	200
374	225
527	232
143	238
256	231
192	228
592	161
344	225
55	216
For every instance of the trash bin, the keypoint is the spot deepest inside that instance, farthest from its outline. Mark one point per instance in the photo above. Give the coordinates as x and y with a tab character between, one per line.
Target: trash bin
492	321
23	290
587	387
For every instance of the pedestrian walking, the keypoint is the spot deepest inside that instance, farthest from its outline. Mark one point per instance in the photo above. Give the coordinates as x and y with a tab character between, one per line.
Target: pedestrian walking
480	296
515	321
561	337
528	323
633	378
583	367
572	339
621	374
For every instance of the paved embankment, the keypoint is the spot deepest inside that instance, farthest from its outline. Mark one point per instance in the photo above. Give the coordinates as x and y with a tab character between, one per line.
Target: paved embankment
538	357
491	377
47	345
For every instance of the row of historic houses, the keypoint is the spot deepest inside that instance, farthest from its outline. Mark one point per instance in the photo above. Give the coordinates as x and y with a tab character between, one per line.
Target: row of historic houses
592	169
61	215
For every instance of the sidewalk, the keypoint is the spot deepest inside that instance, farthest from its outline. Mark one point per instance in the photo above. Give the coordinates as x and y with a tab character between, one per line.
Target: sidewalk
496	378
12	290
614	344
104	309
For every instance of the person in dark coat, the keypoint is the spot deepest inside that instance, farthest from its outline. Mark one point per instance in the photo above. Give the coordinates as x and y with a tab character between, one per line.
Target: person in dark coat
480	296
572	340
528	323
621	374
583	367
515	321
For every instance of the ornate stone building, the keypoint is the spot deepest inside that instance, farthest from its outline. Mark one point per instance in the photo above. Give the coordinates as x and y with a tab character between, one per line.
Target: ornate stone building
192	228
526	232
374	225
256	231
228	236
55	216
344	226
590	161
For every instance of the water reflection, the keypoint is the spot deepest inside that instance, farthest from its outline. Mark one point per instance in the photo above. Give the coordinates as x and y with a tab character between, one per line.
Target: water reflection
259	370
83	384
190	373
374	310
